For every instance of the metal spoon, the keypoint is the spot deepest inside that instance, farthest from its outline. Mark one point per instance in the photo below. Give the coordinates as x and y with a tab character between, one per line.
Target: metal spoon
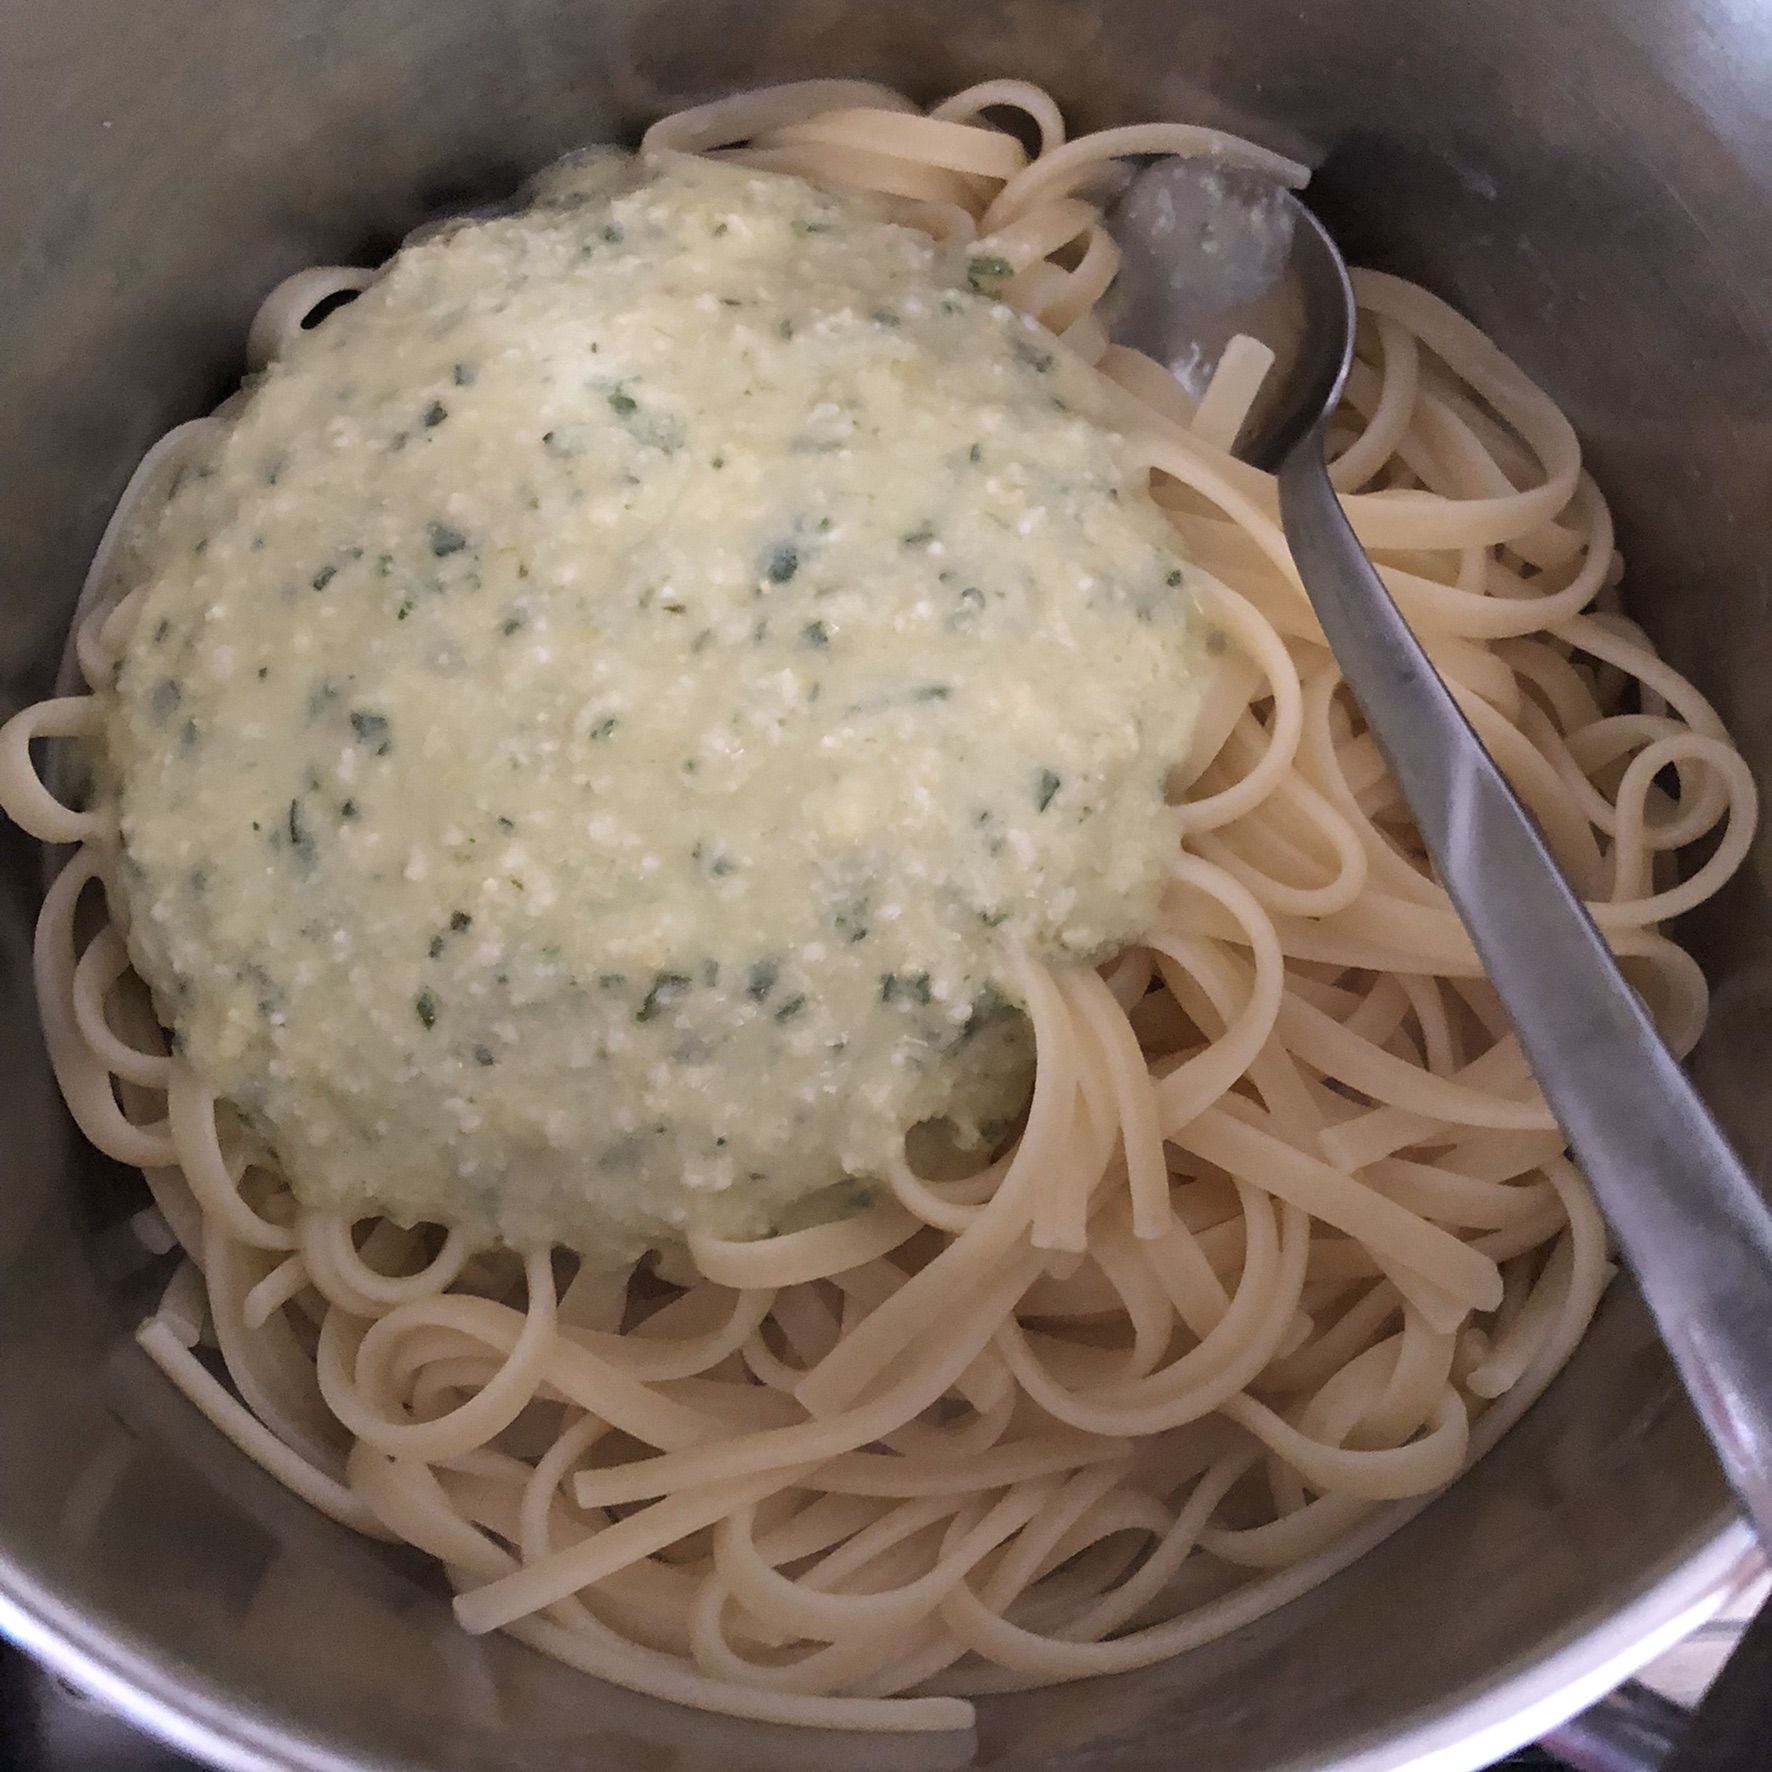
1209	253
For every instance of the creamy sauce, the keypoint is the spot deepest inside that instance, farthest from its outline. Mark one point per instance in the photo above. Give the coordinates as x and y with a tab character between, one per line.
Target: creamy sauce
604	702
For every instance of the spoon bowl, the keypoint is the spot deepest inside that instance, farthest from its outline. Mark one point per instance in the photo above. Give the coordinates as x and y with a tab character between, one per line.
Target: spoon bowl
1210	253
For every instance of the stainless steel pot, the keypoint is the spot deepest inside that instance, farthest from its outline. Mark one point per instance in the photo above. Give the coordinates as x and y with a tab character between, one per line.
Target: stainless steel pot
1592	181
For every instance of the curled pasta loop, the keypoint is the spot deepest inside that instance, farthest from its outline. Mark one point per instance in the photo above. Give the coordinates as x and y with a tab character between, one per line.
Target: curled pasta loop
1301	805
492	1408
86	1084
334	1229
1041	233
287	311
1066	168
1405	519
267	1363
29	802
105	961
1387	416
1730	853
1187	1090
1020	95
215	1176
833	1615
1284	729
941	1205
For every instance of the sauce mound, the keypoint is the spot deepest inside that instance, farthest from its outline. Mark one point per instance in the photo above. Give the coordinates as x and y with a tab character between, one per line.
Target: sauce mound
603	703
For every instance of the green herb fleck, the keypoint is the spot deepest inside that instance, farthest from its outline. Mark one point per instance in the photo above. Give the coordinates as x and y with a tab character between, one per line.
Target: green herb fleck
464	375
483	1055
444	540
815	633
761	980
987	272
425	1008
910	987
988	1007
435	414
323	577
784	562
372	729
1046	784
790	1009
622	403
667	988
459	920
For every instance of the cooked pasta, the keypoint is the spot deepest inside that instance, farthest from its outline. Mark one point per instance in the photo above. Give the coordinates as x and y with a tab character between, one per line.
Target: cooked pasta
1286	1239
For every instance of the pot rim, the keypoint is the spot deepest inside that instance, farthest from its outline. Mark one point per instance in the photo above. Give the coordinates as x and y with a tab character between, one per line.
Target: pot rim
125	1674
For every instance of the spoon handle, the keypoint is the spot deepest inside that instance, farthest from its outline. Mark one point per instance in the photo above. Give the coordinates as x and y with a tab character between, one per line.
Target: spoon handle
1691	1223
